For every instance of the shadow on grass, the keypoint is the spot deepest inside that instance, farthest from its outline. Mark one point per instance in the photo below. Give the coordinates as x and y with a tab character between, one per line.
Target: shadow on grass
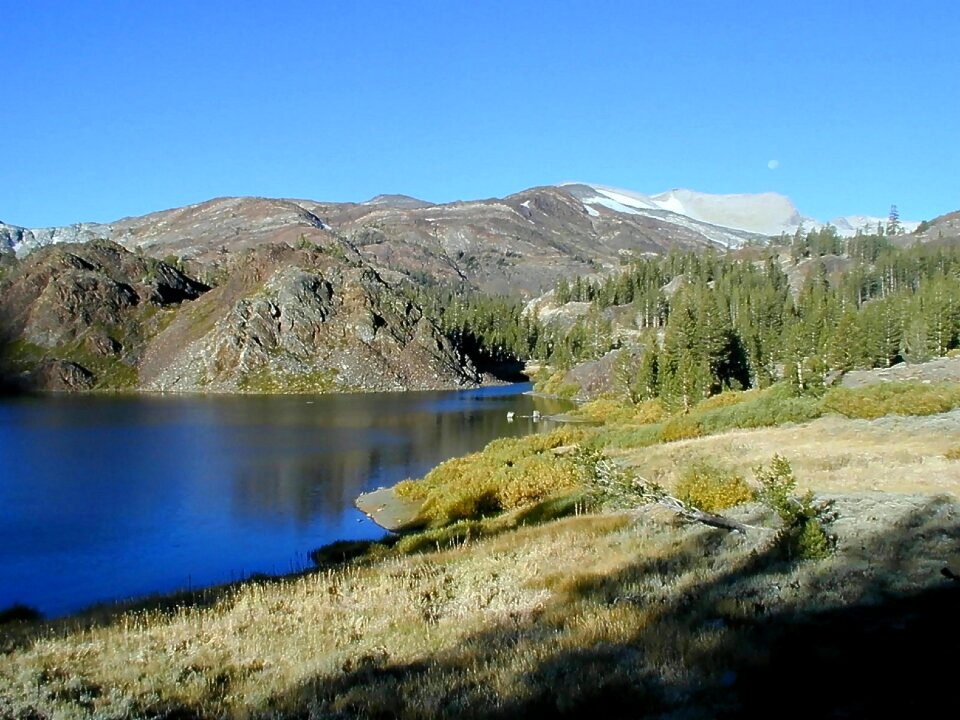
854	647
756	636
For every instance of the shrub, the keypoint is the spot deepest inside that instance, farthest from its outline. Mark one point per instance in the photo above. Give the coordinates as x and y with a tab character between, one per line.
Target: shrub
606	409
802	536
507	474
609	483
629	437
777	488
767	408
615	410
648	412
811	542
19	613
555	385
727	398
681	427
895	398
953	453
711	487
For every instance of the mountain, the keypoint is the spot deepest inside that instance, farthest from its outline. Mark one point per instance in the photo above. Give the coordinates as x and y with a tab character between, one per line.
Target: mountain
766	214
945	228
97	316
77	316
302	320
397	201
259	294
523	242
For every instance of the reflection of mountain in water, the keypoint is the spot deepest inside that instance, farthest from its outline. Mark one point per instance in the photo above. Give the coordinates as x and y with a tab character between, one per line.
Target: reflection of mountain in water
145	494
376	440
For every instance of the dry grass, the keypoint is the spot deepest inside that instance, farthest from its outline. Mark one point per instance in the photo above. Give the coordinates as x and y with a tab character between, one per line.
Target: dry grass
893	454
632	606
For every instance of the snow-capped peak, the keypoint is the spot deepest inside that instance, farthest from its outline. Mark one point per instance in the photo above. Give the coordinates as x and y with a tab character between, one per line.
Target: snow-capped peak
769	213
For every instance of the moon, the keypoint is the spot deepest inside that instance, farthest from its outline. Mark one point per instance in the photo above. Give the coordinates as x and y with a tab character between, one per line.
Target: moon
773	164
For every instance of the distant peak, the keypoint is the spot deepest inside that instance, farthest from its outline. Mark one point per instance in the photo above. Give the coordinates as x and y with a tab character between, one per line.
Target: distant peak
398	201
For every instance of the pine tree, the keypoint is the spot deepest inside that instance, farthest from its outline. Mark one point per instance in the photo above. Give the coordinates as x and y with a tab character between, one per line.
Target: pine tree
893	222
646	385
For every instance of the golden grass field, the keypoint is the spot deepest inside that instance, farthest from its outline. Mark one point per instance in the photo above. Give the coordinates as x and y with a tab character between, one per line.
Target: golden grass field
832	454
629	612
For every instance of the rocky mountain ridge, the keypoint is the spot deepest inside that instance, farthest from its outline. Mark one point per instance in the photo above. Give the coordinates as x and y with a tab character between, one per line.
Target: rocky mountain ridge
522	242
97	316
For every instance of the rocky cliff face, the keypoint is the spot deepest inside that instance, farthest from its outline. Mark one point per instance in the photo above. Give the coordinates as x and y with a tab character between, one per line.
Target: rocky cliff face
302	321
96	316
77	315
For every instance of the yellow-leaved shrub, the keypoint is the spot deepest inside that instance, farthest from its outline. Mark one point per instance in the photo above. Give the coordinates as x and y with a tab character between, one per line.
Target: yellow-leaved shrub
712	488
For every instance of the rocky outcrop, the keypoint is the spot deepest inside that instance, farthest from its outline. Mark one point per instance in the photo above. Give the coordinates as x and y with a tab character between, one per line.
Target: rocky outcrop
282	319
25	240
943	229
62	376
77	316
302	321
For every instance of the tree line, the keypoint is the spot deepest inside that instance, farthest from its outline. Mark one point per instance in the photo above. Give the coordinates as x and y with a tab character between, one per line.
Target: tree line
710	321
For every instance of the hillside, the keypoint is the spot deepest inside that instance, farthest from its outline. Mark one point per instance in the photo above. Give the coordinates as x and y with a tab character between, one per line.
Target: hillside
520	243
942	229
96	316
523	242
78	316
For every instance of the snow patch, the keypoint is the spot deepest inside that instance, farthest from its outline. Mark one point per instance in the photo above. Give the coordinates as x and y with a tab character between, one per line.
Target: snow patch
609	203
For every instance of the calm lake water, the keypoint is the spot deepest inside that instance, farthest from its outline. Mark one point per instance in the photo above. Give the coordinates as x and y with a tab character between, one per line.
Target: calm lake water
105	498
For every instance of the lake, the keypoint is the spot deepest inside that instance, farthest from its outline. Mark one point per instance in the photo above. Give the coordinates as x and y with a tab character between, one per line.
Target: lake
104	498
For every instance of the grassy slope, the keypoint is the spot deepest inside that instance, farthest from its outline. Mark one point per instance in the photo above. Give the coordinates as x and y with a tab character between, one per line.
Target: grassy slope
636	609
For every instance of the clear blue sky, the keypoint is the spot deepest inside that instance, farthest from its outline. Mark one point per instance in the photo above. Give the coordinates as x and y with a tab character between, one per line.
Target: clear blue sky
112	109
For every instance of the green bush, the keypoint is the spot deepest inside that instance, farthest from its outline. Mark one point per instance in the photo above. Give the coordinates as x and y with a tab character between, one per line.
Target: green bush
895	398
767	408
555	385
810	541
625	438
606	410
712	487
778	487
681	427
802	536
727	398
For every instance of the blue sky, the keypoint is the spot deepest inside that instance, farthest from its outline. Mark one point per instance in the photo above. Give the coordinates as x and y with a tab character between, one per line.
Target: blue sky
112	109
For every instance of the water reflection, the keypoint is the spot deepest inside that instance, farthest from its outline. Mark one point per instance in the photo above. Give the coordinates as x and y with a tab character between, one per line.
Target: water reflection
104	497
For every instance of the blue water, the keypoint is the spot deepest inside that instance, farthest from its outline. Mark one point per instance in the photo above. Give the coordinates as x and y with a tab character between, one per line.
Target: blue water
105	498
